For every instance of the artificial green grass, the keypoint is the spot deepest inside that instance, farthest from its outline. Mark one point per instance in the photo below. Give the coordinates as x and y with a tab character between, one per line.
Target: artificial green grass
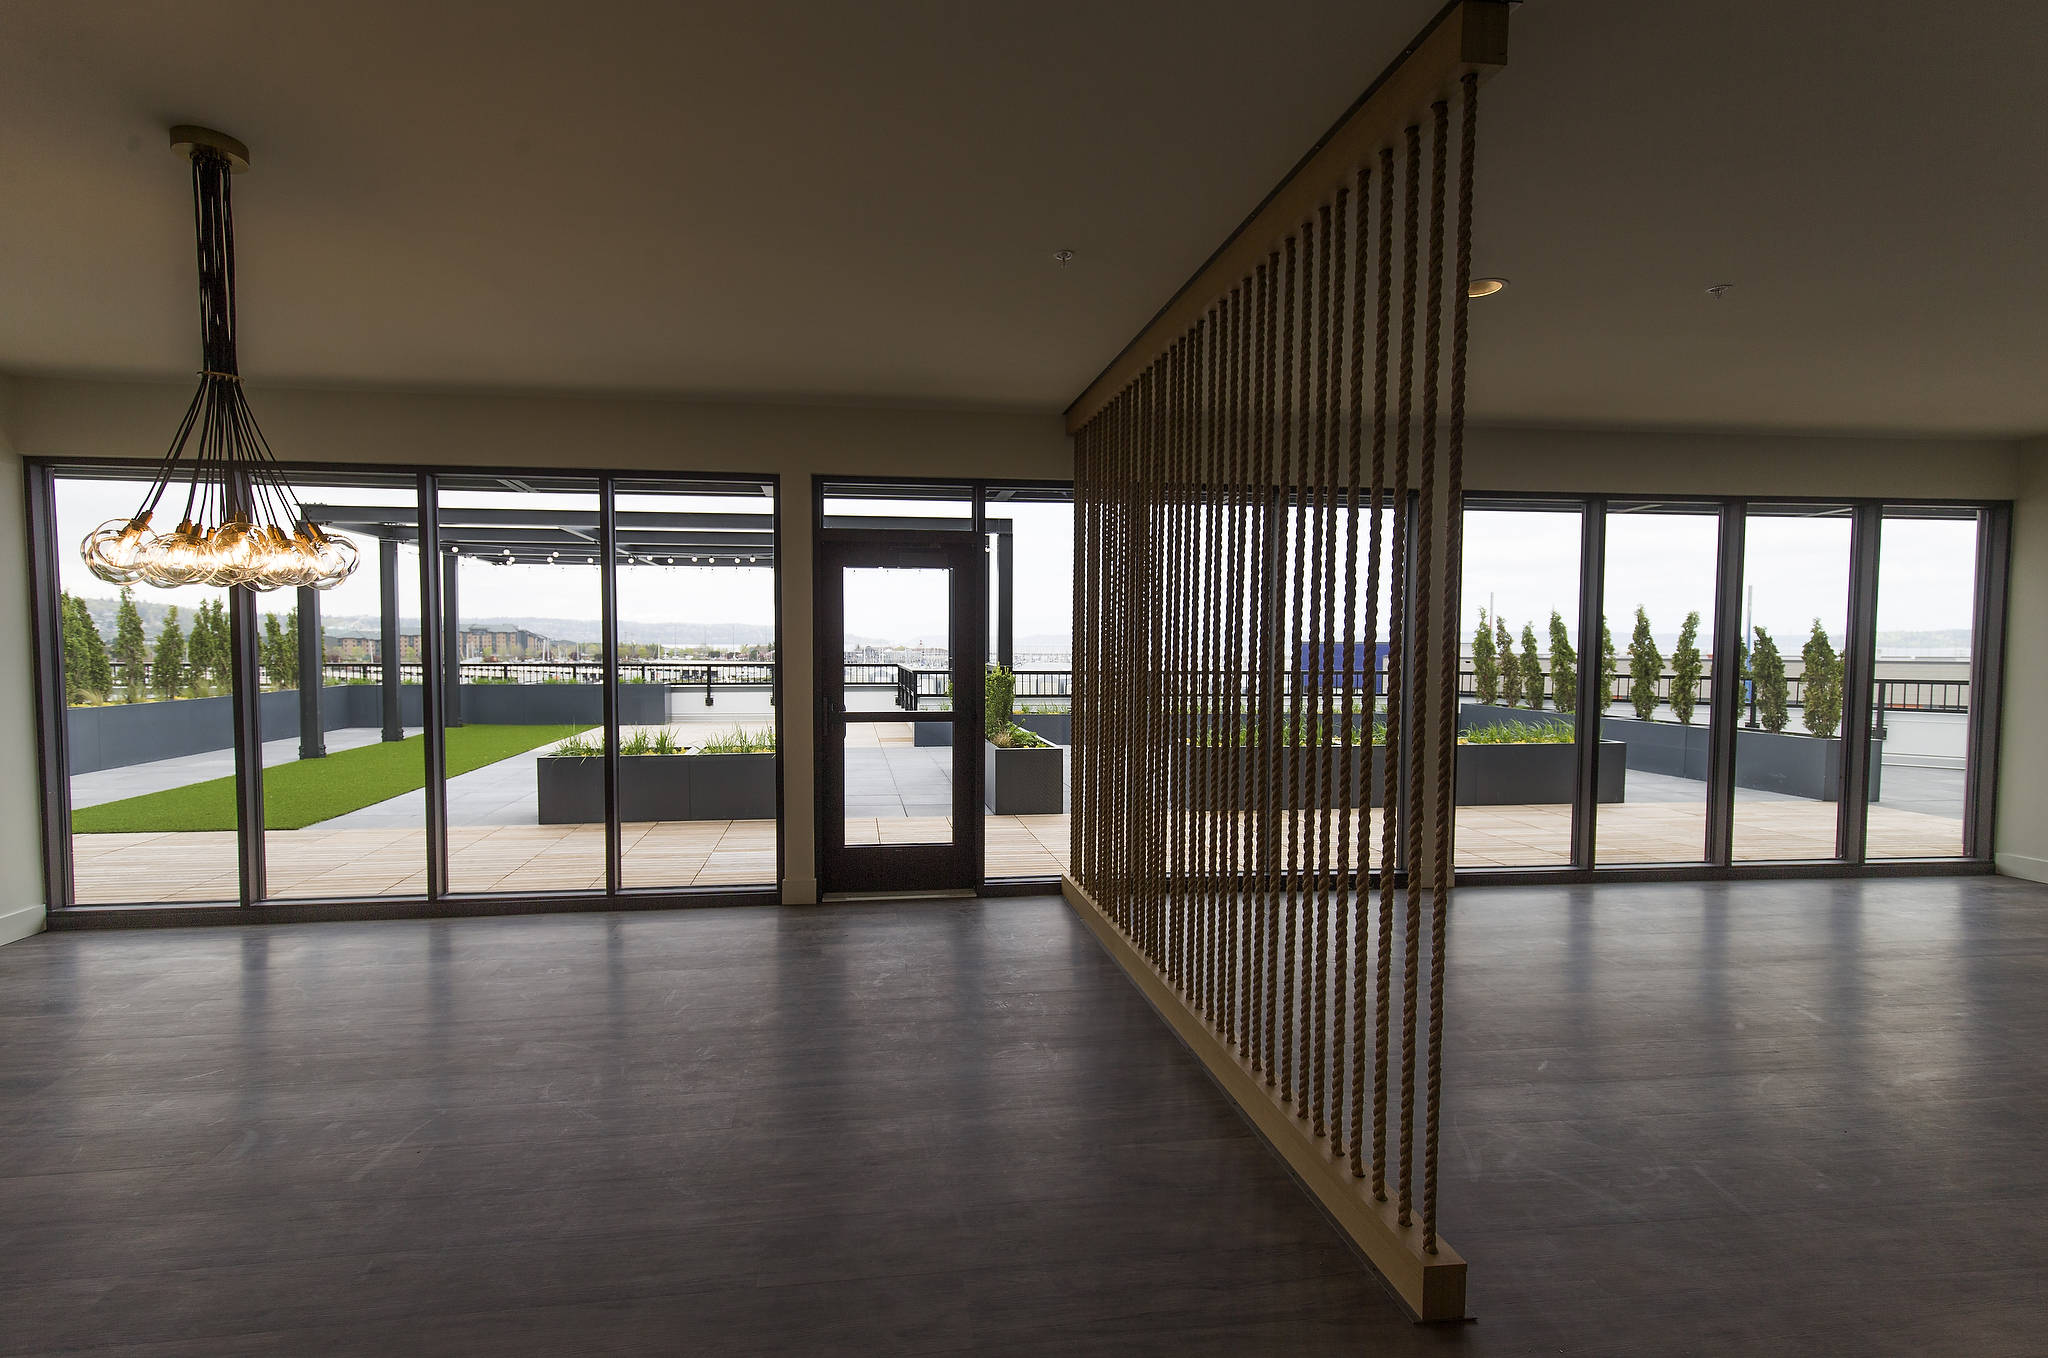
308	791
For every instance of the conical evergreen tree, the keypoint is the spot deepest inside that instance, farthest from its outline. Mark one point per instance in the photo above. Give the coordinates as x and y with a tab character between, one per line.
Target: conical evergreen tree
1685	670
1510	672
1767	670
167	664
1532	667
1485	662
1564	665
1645	667
1823	682
131	652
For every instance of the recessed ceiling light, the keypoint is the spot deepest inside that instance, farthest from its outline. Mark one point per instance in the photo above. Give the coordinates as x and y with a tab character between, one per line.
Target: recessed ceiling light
1484	287
1719	290
1063	256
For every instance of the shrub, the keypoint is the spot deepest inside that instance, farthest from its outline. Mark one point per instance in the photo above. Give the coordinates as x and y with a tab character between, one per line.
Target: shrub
1645	667
999	691
1685	670
1823	682
1564	665
1532	668
1485	662
1767	672
1510	672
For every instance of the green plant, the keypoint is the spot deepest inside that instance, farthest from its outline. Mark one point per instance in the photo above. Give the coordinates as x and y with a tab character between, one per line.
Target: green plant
999	692
88	676
361	681
1532	668
1510	672
738	740
1823	677
1520	733
1564	665
1645	667
1685	670
1607	665
491	679
208	647
131	653
1767	672
1485	662
168	660
1015	737
278	649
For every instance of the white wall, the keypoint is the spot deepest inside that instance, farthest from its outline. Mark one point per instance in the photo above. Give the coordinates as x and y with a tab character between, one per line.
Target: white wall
2022	827
21	875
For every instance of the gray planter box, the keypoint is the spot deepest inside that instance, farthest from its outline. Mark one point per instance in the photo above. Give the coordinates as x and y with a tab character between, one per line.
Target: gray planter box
1211	771
1536	775
658	787
1481	716
1487	775
1023	782
1665	747
1057	727
932	733
1798	766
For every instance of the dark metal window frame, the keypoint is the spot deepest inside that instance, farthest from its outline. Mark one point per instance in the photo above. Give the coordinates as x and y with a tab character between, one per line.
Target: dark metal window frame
253	905
1867	515
977	489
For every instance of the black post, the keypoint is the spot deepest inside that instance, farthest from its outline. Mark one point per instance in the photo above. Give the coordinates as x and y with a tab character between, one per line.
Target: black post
431	689
1724	687
312	677
451	640
1006	599
1861	648
1590	715
608	617
247	708
1987	679
53	749
388	640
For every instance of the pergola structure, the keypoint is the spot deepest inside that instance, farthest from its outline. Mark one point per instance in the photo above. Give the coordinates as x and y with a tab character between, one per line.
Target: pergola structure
548	535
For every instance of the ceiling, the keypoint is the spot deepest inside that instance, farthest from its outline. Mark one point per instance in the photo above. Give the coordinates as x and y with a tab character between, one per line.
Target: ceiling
803	199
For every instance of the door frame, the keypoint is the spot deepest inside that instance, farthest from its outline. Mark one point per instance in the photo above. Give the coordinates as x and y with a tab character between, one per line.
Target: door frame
890	868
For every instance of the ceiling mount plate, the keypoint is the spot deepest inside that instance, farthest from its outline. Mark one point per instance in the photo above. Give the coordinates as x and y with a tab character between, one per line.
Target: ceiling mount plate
186	138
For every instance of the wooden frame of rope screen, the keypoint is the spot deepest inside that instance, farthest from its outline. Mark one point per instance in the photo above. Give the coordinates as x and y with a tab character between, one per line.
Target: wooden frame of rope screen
1230	466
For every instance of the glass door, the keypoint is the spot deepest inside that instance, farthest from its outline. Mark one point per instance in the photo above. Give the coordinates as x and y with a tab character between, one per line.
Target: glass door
900	640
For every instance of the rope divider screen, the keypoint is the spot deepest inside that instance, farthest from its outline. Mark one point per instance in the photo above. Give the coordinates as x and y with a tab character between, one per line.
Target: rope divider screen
1261	826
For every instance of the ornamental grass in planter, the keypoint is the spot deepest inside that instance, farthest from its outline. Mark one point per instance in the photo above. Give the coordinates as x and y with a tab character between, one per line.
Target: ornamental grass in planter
729	775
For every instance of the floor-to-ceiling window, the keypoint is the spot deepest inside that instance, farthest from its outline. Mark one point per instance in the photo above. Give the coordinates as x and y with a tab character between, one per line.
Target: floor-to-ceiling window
148	690
1659	587
1921	694
344	787
1517	777
435	724
1029	539
1789	746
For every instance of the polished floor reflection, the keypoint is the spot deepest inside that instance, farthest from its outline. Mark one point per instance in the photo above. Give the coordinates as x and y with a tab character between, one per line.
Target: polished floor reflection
1774	1117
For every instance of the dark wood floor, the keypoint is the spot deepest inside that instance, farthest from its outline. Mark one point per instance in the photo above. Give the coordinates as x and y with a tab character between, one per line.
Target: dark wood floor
1795	1118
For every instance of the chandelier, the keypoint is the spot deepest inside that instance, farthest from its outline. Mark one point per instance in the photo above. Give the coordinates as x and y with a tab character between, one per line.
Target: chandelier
240	523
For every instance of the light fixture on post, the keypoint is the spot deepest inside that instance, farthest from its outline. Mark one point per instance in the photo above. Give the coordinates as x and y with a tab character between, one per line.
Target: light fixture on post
241	524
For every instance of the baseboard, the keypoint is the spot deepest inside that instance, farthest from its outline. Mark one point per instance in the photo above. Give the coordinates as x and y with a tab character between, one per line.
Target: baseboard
23	921
1432	1286
2022	865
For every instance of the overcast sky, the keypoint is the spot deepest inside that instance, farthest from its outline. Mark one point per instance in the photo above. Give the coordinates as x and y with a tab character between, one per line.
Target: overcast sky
1526	562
